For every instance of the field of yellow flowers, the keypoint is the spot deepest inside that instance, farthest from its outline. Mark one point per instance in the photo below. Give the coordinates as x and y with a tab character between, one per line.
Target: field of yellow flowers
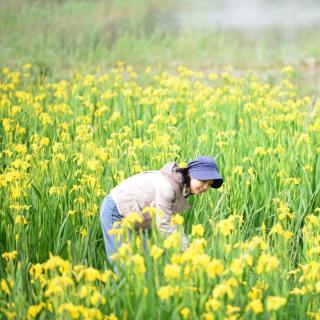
254	248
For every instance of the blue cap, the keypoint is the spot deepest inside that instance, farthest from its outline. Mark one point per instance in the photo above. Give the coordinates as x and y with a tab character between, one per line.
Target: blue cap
204	168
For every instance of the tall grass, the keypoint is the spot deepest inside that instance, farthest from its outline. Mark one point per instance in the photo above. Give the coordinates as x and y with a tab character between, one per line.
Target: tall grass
65	144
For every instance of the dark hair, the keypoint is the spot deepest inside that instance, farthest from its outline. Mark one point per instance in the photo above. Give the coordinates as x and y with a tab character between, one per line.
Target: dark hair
185	175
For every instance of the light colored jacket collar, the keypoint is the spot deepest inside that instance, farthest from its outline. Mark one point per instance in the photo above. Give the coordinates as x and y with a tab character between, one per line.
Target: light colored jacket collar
176	178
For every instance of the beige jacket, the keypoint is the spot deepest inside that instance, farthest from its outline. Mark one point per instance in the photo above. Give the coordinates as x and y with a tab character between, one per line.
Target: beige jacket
162	189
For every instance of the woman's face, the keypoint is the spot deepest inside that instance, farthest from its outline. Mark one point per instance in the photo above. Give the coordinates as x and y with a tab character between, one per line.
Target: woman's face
199	186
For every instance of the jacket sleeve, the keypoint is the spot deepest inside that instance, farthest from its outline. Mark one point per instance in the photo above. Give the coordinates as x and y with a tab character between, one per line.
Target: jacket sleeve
164	204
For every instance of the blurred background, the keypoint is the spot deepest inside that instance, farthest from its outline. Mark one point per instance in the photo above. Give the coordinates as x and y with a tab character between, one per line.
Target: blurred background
60	36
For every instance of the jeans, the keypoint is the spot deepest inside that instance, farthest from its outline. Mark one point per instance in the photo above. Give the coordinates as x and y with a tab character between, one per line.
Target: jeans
108	215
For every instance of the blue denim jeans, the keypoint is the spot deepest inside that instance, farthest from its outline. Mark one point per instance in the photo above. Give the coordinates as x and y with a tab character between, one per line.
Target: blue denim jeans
108	215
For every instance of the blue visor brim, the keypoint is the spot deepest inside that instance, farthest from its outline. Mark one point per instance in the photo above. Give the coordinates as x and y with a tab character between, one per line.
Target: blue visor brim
208	175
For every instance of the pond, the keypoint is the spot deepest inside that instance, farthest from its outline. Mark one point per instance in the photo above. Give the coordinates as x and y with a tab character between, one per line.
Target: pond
247	15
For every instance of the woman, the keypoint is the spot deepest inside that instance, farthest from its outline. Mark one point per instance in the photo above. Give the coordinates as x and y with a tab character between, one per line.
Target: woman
166	190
